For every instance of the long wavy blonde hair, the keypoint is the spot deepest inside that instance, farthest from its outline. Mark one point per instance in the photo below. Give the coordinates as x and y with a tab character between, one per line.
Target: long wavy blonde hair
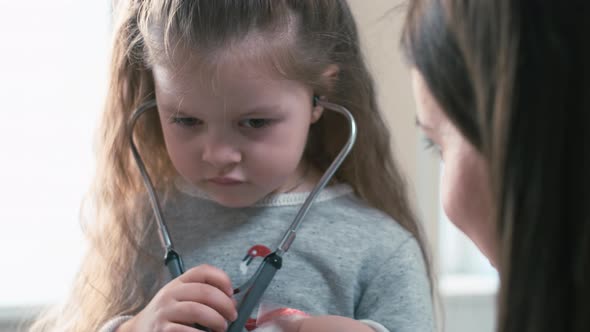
304	38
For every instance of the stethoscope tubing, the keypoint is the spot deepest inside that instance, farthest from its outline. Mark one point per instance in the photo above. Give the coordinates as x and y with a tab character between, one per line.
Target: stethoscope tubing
254	288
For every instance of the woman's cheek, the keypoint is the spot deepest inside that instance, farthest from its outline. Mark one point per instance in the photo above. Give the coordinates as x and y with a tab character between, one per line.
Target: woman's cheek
451	195
465	195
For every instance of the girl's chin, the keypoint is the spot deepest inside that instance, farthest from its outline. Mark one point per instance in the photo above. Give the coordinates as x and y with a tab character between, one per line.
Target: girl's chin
240	196
234	201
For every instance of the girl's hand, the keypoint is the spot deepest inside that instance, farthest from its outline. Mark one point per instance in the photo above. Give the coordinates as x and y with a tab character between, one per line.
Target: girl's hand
201	295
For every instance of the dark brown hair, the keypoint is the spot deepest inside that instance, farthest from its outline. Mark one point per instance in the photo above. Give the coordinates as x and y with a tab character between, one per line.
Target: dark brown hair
513	77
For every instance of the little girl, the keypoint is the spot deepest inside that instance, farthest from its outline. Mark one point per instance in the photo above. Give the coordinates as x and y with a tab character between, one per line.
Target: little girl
234	145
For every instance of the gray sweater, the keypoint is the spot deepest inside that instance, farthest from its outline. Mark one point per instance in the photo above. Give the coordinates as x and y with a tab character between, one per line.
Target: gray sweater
348	259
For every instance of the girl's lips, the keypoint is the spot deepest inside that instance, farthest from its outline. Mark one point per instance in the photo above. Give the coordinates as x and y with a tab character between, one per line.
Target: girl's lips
226	181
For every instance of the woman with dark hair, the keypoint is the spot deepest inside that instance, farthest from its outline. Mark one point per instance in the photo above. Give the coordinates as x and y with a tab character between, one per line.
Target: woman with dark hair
503	92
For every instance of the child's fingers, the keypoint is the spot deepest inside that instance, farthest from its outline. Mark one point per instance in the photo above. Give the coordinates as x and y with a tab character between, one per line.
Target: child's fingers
208	295
189	313
209	275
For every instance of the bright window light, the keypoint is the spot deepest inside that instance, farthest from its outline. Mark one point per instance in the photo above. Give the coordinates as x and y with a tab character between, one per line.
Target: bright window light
54	59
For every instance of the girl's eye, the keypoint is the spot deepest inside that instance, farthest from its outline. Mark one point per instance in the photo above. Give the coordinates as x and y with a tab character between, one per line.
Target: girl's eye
186	121
255	123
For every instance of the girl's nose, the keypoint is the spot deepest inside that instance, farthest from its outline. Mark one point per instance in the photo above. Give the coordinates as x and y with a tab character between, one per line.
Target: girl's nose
220	153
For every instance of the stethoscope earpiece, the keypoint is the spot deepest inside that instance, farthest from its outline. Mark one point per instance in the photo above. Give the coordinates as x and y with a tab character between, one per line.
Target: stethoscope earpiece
316	99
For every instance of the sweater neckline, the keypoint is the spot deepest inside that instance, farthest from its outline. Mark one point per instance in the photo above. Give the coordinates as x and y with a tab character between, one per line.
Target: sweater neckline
282	199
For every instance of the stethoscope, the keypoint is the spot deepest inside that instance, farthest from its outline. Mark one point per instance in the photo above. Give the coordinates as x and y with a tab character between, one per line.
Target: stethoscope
254	288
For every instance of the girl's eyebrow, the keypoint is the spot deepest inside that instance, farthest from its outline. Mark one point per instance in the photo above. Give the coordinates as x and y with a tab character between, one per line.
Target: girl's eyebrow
175	108
262	109
253	111
173	111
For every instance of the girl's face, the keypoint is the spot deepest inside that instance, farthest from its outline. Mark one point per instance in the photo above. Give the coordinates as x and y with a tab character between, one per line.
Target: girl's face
465	190
238	136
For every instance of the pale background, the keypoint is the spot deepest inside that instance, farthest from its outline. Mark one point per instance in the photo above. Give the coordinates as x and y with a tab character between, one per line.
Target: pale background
53	71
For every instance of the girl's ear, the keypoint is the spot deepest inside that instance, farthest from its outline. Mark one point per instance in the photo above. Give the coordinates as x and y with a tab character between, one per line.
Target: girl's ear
331	72
316	112
329	76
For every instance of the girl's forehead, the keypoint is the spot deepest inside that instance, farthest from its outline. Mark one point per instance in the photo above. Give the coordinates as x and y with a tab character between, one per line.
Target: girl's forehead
187	67
227	76
231	84
257	54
